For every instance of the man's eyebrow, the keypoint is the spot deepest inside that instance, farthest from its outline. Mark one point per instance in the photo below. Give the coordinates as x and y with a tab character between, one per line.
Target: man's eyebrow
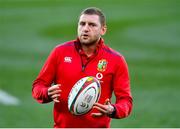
88	22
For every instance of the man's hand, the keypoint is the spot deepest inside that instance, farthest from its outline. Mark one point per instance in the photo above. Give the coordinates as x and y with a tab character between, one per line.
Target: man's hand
54	92
105	109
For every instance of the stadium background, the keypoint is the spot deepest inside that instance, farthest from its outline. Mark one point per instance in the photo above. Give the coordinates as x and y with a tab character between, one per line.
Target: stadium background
146	32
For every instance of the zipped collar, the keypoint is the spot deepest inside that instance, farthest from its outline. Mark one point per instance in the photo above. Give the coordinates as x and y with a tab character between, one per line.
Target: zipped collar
80	50
84	58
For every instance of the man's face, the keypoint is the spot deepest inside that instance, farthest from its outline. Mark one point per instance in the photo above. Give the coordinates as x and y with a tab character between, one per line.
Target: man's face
90	29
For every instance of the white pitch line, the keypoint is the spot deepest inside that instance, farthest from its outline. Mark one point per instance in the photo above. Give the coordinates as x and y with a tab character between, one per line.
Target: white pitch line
8	99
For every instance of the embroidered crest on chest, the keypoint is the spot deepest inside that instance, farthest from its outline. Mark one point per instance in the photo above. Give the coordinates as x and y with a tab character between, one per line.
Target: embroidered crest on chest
102	65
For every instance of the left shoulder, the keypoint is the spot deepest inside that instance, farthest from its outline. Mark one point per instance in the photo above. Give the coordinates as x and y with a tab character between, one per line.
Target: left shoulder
110	51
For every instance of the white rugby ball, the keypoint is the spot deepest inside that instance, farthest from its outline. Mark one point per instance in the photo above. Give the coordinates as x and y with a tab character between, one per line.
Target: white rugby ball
83	95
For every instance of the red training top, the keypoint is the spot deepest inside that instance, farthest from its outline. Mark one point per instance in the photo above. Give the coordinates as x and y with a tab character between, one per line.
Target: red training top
66	64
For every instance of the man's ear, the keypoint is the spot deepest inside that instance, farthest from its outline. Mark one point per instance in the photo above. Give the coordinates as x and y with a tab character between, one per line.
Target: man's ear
103	30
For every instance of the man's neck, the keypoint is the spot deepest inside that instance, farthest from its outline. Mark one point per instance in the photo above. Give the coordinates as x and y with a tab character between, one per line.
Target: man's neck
89	50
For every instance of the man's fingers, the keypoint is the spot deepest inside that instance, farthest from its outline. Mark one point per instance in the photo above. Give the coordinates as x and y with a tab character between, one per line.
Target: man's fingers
107	101
54	87
54	92
100	106
56	100
55	96
100	109
97	114
104	109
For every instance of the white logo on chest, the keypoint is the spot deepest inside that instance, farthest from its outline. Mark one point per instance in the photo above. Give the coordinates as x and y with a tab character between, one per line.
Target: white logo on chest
68	59
99	76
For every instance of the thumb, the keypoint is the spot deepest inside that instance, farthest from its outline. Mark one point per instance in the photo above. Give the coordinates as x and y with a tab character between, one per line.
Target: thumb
107	101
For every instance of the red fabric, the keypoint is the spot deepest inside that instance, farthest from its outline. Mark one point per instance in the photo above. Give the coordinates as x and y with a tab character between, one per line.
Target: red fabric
64	66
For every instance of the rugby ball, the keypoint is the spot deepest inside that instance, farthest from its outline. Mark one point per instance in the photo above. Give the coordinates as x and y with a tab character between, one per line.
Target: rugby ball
83	95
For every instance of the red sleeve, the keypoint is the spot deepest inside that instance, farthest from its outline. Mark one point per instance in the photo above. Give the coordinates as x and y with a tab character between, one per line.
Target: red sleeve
45	79
121	84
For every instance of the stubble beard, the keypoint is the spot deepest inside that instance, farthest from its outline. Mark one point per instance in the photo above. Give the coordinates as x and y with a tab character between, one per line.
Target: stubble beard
89	43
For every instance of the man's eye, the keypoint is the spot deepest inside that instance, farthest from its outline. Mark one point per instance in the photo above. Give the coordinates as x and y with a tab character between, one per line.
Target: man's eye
82	23
92	25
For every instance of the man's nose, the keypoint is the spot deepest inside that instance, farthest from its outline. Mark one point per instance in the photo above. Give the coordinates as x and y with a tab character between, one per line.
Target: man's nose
86	27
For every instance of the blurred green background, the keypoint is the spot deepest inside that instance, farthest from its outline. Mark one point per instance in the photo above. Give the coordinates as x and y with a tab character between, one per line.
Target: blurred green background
146	32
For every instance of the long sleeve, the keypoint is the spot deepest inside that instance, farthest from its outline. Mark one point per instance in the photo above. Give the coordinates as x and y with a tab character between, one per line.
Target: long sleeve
121	84
45	79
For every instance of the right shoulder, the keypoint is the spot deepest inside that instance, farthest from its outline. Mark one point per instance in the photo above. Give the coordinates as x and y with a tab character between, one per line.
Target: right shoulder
65	45
62	49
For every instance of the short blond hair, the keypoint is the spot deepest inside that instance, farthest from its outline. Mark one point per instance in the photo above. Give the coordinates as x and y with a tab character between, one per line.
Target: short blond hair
96	11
